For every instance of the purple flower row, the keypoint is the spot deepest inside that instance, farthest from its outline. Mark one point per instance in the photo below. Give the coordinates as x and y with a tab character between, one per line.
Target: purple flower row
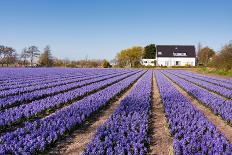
205	78
24	81
18	76
15	114
193	132
217	79
19	99
29	83
212	87
126	131
35	136
48	84
217	104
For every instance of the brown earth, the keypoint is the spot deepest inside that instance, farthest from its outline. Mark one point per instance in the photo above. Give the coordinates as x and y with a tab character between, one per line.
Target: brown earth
162	142
75	143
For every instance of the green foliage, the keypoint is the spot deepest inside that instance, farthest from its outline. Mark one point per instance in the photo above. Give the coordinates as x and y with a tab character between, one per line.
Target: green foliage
130	57
223	60
204	55
149	52
106	64
46	59
216	71
71	65
186	66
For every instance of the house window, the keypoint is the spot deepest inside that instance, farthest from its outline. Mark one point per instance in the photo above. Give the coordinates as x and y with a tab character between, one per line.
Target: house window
179	54
145	62
159	53
177	63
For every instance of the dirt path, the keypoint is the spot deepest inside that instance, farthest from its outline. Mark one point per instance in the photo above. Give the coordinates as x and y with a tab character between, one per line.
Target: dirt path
77	141
216	120
162	142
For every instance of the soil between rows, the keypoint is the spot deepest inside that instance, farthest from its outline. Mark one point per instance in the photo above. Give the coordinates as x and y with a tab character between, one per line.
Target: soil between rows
162	142
76	142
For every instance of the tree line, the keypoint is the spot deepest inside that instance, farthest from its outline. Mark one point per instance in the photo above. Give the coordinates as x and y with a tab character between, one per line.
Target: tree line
131	57
9	57
222	59
32	57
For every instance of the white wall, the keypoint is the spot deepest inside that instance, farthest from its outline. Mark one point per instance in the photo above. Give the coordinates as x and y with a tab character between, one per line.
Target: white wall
168	61
148	62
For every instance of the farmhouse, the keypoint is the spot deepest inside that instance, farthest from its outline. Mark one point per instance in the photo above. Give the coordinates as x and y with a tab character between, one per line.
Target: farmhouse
172	55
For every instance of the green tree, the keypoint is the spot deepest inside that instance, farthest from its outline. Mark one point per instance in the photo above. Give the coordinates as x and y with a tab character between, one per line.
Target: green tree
106	64
46	58
130	57
149	52
223	59
226	56
204	55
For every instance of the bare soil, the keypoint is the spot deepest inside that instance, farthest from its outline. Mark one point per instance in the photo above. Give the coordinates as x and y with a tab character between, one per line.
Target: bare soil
162	142
75	143
220	124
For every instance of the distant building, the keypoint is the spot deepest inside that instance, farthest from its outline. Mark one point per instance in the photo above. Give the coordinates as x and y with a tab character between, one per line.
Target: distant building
172	55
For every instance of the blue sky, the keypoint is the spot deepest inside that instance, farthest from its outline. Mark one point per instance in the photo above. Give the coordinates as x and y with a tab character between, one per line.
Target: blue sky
100	28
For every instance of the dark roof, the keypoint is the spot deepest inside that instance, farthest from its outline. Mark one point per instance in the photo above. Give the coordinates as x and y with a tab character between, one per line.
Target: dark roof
176	51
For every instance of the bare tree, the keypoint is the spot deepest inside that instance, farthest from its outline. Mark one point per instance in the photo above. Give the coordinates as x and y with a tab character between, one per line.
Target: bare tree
10	55
33	52
24	55
1	53
199	48
7	55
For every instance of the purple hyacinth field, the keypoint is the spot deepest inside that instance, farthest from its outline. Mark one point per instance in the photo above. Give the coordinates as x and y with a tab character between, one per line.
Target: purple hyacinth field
114	111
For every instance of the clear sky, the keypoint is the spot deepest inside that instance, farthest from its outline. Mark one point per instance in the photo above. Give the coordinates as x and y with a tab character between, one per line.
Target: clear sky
100	28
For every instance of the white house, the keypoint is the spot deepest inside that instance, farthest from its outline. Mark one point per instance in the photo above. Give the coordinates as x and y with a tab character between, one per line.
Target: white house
173	55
